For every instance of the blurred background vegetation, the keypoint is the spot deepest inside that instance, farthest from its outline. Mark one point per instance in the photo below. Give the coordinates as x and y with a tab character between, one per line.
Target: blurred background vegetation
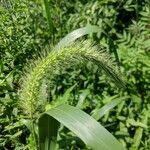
26	32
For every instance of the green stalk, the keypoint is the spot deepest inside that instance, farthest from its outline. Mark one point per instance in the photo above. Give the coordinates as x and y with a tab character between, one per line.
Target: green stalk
34	135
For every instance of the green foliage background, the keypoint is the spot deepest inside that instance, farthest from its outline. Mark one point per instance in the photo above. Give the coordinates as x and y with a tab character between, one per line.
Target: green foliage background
124	32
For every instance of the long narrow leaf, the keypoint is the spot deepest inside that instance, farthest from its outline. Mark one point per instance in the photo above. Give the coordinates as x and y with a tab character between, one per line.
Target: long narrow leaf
83	125
106	108
72	36
48	15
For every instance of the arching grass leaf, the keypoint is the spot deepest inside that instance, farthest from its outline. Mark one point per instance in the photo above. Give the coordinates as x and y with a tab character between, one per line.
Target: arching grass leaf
72	36
83	125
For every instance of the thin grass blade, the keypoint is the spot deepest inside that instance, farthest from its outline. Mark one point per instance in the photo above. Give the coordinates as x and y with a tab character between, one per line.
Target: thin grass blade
48	15
106	108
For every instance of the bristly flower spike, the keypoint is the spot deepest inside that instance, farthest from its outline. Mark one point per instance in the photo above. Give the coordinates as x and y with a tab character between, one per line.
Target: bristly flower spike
78	52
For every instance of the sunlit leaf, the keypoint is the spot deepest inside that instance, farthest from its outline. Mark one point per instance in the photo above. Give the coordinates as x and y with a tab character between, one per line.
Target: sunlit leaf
83	125
72	36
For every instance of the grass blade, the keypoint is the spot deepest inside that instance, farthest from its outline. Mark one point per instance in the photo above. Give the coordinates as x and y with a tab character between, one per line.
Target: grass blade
48	15
139	131
83	125
106	108
72	36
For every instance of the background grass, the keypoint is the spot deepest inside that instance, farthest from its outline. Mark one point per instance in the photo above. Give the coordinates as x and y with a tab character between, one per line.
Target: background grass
124	32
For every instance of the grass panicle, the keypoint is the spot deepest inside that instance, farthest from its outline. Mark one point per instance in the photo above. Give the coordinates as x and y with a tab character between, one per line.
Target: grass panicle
81	52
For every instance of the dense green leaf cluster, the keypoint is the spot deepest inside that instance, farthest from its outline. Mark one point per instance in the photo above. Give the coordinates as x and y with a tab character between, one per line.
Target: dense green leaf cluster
124	30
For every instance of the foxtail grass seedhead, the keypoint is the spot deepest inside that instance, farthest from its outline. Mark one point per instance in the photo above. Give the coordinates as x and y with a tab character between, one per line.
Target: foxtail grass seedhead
77	52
